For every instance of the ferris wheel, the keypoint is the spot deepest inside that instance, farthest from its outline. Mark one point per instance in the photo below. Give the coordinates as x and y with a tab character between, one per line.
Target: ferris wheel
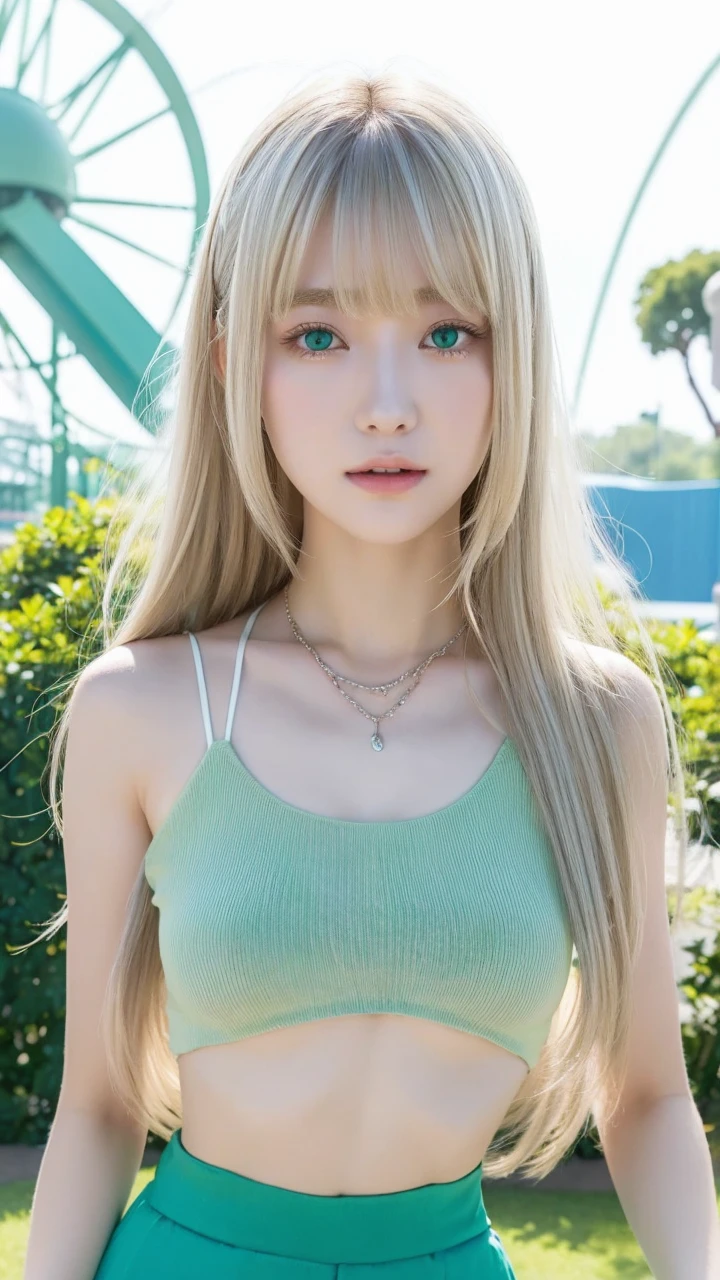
103	194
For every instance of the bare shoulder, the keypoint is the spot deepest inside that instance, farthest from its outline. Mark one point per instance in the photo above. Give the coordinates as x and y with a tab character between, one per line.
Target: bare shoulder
130	677
625	676
116	701
116	671
637	709
145	694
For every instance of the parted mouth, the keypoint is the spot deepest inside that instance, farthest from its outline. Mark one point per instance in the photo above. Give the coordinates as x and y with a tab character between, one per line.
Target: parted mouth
392	463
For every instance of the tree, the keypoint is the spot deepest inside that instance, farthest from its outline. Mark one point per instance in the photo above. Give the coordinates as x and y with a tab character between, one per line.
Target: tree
640	449
670	313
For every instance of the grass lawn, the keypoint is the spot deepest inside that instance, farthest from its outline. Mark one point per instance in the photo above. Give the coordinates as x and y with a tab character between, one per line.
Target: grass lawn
549	1235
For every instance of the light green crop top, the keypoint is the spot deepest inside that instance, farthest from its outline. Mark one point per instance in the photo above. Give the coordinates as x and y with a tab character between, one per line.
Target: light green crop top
272	915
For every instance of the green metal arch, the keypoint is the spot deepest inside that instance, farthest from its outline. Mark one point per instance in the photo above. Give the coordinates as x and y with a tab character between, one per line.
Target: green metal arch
628	221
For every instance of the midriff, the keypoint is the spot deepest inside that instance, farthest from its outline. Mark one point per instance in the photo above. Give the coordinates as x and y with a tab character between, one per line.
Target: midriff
352	1105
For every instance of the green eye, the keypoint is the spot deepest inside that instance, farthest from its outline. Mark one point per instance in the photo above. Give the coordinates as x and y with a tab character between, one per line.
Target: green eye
443	331
444	335
317	339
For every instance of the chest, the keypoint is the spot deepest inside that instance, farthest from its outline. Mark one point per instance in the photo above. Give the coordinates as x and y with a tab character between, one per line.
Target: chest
269	913
305	743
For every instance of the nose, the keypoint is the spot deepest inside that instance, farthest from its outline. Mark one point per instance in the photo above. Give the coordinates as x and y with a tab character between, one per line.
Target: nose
389	405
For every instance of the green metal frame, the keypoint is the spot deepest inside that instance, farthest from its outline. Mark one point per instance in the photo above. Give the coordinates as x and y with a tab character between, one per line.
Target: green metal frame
81	300
680	115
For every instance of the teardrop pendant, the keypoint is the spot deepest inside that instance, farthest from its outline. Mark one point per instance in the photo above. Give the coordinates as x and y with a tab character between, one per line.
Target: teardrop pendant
377	741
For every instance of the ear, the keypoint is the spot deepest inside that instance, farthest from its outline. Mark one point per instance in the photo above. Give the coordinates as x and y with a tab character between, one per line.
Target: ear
218	352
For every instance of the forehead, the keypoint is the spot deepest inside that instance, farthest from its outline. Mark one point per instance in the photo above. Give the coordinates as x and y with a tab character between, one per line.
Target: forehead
343	266
325	296
373	266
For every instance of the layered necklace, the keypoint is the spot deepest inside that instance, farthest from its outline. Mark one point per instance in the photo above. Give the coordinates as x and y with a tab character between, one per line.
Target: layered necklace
414	675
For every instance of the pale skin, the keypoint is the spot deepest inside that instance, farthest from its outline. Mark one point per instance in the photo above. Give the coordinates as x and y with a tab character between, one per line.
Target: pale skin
371	1103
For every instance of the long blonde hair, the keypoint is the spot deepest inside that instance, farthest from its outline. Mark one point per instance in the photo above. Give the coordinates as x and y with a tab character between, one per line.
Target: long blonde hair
216	529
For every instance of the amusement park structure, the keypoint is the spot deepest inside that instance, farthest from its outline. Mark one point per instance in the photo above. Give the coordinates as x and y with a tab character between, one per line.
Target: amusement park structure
60	129
669	134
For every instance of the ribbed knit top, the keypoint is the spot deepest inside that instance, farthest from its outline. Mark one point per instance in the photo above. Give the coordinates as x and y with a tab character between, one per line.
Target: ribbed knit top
271	915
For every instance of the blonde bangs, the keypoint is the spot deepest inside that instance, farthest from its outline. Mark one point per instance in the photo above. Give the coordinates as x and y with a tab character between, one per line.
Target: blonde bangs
386	196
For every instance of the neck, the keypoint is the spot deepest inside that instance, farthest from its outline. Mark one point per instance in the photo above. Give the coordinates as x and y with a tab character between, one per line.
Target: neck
376	608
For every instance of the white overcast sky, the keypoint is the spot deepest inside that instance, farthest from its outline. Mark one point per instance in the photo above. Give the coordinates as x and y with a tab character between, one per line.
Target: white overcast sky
579	94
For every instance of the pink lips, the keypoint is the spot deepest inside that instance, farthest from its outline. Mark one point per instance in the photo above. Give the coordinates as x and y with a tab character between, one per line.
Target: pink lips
396	482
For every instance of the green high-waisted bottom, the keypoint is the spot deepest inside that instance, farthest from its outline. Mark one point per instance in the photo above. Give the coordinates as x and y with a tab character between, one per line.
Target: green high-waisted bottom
197	1220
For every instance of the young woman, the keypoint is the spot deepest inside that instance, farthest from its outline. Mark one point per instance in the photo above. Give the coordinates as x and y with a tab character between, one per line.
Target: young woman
363	808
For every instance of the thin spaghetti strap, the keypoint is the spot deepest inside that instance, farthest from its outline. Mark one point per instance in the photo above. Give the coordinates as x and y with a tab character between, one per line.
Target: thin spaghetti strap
238	667
202	687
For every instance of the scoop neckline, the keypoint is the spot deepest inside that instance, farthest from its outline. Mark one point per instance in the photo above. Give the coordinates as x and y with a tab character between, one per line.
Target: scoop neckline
271	800
308	815
297	811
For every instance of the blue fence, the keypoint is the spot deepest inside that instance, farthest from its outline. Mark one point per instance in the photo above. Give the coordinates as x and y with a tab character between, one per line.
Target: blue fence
666	531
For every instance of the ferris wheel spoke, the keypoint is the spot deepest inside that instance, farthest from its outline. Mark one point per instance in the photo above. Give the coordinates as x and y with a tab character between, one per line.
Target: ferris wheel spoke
7	12
24	29
132	204
42	35
99	91
131	244
46	60
125	133
73	94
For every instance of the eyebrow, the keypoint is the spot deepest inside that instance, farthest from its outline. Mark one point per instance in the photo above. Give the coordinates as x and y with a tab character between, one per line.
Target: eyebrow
327	297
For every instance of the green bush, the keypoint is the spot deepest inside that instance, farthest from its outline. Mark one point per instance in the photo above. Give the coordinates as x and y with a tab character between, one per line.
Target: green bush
49	579
694	660
691	666
701	1038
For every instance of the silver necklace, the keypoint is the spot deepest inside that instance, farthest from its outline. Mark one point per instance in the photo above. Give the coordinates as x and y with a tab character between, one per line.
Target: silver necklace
414	673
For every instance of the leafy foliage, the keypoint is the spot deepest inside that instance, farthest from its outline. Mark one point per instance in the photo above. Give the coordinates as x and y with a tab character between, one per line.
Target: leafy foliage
670	312
49	579
659	453
700	1032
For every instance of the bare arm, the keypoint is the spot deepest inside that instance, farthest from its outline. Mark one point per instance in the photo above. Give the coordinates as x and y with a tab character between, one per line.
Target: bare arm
656	1147
94	1149
85	1181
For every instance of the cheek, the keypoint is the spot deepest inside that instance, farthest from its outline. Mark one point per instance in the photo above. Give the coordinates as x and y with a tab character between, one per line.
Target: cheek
298	426
301	415
290	392
462	411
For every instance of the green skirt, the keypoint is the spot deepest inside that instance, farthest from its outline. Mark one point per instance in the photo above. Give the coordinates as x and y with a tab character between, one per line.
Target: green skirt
195	1219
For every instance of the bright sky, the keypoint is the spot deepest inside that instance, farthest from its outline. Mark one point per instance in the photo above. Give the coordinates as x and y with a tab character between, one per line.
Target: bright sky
579	95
